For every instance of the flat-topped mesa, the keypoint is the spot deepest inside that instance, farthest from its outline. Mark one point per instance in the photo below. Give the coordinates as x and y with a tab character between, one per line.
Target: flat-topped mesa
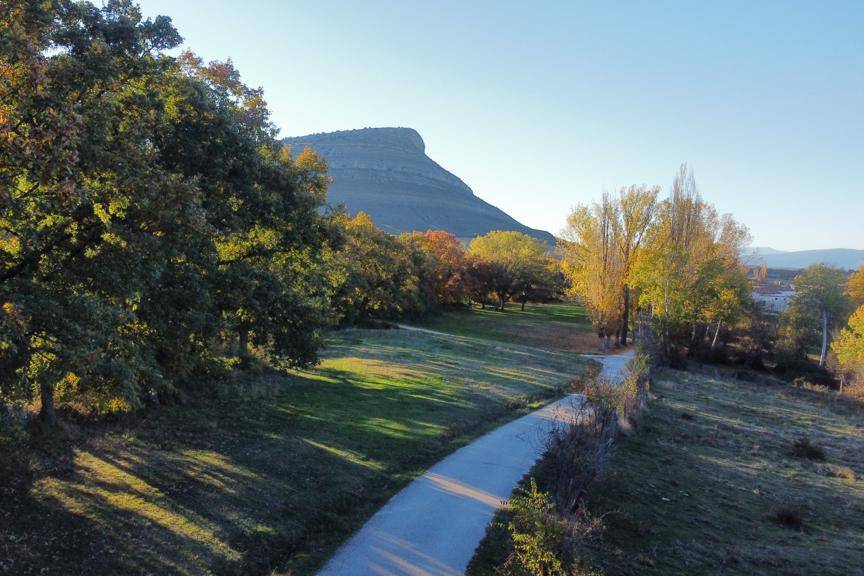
399	138
386	173
375	155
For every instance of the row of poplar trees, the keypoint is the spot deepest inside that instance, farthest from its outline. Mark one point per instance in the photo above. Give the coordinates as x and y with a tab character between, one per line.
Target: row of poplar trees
675	259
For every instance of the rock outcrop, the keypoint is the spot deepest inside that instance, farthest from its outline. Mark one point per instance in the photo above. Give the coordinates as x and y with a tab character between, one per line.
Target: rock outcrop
386	173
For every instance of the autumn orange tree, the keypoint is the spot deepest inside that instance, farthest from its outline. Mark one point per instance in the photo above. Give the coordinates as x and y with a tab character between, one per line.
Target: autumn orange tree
448	254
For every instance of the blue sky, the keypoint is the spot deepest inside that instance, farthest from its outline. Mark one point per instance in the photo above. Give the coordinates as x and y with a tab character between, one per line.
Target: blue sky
541	106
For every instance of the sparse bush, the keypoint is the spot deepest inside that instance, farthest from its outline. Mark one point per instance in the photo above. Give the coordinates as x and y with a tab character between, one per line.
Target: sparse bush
633	391
844	472
580	447
855	392
804	448
788	518
543	542
538	535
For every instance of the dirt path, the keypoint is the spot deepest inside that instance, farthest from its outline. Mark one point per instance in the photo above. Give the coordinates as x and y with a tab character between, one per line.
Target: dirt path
433	526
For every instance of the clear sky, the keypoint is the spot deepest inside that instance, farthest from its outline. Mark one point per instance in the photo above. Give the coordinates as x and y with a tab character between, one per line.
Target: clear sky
540	106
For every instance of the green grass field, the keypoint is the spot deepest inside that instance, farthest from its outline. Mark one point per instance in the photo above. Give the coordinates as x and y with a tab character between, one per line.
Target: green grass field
276	473
710	484
559	326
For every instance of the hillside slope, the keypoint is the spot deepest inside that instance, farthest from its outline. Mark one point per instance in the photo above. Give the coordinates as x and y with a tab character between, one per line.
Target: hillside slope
386	173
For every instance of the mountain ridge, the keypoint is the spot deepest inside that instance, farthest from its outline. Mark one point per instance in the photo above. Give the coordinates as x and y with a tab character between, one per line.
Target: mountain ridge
846	258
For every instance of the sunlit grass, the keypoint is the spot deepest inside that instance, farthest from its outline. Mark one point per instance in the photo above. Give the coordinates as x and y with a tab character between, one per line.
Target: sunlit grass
249	483
558	326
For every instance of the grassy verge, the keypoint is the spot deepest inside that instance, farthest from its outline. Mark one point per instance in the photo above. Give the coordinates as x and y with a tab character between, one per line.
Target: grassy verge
270	479
557	326
719	481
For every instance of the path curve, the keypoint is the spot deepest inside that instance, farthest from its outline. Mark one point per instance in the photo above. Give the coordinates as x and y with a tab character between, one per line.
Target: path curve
433	525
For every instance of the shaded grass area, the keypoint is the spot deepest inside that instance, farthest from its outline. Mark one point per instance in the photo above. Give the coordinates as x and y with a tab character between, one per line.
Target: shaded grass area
273	475
559	326
712	484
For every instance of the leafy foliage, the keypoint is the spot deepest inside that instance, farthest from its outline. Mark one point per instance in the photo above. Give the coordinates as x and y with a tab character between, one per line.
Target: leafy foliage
537	533
819	305
855	287
676	257
151	223
379	276
510	265
849	346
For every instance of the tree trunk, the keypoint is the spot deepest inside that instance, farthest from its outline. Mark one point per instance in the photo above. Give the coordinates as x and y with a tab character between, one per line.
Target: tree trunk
691	349
501	304
243	341
46	394
625	317
523	305
716	334
823	357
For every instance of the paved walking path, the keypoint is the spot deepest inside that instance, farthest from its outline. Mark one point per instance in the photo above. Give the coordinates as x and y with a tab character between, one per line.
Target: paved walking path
433	526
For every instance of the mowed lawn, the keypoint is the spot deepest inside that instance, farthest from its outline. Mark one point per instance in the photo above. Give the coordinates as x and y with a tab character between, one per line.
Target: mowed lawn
272	476
711	485
560	326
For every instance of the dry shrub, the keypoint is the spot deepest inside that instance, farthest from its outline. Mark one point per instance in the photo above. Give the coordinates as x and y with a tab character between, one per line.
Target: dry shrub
834	471
580	447
855	392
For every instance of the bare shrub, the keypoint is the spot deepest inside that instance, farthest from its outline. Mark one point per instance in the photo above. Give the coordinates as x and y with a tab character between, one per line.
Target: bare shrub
633	390
580	447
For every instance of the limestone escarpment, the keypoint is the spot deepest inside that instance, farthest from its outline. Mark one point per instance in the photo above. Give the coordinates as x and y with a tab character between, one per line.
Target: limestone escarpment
386	173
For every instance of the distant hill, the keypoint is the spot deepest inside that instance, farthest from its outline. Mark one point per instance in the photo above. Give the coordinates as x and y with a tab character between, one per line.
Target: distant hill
386	173
846	258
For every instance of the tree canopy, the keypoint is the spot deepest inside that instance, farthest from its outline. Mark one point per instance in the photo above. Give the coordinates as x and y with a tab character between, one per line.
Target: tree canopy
676	257
515	264
151	225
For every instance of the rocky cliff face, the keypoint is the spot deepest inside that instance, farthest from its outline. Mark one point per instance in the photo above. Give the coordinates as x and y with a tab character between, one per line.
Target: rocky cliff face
385	172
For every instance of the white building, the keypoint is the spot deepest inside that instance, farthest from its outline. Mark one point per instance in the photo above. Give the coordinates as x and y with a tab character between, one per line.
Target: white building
774	302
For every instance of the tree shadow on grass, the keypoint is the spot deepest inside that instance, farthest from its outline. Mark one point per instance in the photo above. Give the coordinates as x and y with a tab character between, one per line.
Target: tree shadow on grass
236	486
